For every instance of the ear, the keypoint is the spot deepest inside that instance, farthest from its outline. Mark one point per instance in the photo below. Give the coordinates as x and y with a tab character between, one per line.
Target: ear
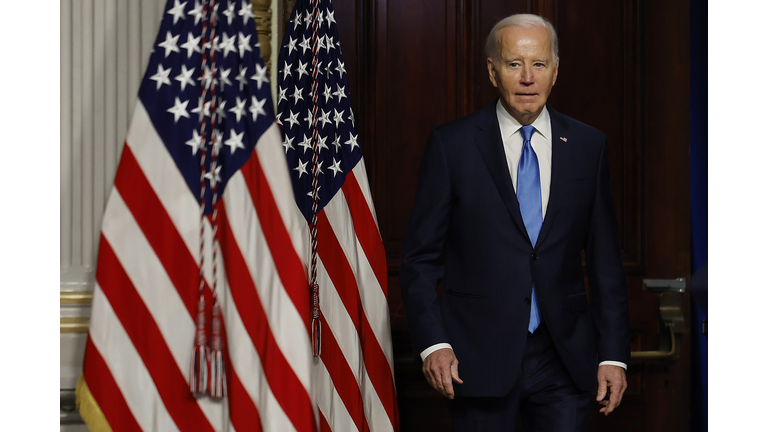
554	76
491	72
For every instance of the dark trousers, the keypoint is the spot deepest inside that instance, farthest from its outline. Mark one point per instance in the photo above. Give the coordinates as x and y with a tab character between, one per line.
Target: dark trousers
544	397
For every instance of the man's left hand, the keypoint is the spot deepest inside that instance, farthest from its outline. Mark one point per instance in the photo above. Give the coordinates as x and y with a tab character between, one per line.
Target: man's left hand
613	378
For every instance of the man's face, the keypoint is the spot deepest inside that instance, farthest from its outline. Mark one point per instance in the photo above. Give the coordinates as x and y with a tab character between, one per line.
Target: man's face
525	71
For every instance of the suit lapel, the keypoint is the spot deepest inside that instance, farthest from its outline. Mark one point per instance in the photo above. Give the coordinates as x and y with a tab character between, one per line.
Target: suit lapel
489	143
561	154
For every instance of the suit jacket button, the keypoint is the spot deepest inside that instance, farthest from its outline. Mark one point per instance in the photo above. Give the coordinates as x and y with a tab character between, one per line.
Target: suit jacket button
534	257
527	300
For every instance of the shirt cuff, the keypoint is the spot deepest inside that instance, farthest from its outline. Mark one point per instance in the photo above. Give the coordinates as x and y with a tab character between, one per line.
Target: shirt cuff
433	348
613	363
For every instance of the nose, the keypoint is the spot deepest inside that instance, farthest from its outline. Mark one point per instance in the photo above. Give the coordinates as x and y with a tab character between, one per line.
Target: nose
526	75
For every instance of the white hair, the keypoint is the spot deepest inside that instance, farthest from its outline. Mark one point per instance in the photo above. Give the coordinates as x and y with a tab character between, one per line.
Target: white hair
519	20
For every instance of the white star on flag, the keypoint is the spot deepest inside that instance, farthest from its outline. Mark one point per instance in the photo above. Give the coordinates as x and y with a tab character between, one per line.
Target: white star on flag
352	141
340	68
215	176
244	43
221	109
257	107
185	77
327	93
192	45
235	141
179	109
195	142
329	44
228	44
224	77
245	12
288	144
161	77
203	108
218	137
177	11
321	142
241	77
309	194
292	45
339	92
304	45
337	117
239	108
324	117
230	13
302	69
319	167
197	12
296	94
293	118
306	143
260	76
335	167
302	168
169	44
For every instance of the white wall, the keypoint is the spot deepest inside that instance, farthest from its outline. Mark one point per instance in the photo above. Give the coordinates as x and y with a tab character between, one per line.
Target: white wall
105	47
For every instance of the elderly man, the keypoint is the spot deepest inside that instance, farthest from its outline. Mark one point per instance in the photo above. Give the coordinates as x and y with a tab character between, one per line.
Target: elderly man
507	200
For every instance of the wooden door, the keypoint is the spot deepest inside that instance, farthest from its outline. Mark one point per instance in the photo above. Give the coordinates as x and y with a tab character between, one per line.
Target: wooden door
624	68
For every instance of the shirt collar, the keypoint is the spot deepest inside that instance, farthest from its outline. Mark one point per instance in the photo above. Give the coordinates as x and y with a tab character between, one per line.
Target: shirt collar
508	125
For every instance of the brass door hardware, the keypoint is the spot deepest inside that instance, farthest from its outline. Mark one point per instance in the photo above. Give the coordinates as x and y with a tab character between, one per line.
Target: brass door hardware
671	317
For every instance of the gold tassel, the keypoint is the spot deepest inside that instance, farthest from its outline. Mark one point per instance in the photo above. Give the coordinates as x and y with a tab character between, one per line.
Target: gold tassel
89	409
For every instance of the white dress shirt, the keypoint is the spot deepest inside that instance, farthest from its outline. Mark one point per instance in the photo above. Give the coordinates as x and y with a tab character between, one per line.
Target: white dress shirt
541	141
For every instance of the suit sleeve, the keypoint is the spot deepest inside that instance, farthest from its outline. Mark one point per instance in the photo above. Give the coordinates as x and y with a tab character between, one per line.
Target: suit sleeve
605	270
423	263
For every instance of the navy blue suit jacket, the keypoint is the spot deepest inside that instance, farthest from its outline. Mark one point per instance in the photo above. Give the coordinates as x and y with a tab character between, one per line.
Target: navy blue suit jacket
466	229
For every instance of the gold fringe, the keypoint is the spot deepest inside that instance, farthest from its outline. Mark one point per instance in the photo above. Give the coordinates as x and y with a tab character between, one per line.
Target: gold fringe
89	409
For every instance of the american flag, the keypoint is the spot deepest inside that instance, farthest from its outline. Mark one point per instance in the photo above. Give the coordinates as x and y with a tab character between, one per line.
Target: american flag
319	138
203	183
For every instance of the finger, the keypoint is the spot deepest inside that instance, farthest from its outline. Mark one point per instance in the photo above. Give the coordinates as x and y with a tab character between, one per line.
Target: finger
438	379
435	384
447	384
622	389
433	379
613	403
619	392
455	372
602	388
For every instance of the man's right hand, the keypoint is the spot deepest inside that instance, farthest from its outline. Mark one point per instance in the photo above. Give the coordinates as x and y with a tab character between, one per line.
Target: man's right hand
441	369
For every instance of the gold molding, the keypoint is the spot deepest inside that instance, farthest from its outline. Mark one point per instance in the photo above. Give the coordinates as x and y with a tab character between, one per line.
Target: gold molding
262	11
75	297
74	324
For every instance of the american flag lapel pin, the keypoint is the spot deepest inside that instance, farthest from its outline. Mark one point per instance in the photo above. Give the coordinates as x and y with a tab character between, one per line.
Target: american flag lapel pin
564	139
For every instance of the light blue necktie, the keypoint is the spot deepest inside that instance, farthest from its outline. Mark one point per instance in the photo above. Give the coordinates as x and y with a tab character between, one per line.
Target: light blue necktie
529	197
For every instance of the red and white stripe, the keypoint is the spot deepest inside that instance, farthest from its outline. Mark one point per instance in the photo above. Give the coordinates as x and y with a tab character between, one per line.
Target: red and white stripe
143	327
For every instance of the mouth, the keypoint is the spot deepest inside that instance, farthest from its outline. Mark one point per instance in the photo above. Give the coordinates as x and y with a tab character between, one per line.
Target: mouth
526	95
